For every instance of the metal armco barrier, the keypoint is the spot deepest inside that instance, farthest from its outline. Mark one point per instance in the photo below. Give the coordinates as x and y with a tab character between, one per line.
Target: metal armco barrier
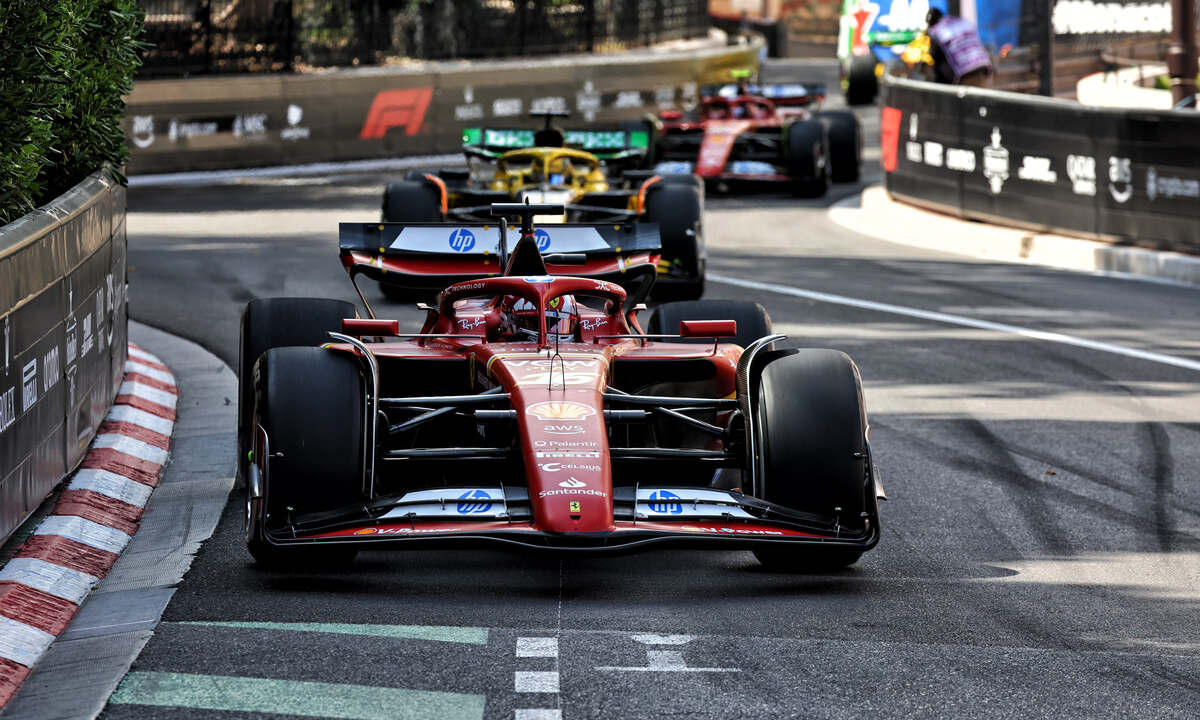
247	121
1125	175
63	337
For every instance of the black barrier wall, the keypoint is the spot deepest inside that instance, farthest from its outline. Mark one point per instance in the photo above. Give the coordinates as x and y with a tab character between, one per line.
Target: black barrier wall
256	120
63	330
1046	164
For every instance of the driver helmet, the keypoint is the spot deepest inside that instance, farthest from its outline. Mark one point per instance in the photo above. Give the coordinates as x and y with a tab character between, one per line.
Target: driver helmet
562	319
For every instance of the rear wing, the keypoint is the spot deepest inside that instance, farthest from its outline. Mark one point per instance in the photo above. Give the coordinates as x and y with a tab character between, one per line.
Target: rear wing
427	257
456	241
778	93
603	143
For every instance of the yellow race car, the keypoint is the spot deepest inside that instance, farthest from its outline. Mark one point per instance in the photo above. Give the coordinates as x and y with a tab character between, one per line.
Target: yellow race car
593	173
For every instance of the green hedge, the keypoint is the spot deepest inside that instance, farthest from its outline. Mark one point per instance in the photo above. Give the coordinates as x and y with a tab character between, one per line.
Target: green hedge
64	67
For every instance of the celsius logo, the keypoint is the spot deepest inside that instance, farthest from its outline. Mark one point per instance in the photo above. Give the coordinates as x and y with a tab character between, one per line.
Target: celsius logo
475	502
543	240
666	503
461	240
572	483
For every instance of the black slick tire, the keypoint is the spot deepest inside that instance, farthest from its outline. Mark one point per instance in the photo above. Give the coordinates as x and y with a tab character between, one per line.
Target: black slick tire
813	433
752	319
808	157
678	208
845	144
862	84
411	200
309	401
278	322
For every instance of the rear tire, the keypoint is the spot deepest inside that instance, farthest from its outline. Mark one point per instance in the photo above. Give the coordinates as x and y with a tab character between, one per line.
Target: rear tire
845	144
278	322
813	433
411	200
309	401
808	157
752	319
862	84
678	208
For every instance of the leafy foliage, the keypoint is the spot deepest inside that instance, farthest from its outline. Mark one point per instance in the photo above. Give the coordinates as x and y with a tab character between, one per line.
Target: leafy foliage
66	66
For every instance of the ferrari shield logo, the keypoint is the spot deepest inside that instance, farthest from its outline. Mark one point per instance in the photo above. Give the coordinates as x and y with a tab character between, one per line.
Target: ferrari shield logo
574	506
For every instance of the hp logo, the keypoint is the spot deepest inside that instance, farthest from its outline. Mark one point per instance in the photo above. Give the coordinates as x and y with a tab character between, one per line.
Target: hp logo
661	502
474	502
543	240
461	240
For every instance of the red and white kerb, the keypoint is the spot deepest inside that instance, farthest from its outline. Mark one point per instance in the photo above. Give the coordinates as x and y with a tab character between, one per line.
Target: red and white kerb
43	586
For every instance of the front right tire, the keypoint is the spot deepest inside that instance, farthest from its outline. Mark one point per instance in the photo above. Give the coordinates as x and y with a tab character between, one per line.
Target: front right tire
310	404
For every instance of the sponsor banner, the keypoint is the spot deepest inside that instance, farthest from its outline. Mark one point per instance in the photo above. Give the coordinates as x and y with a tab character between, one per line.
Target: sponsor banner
62	338
354	114
1046	164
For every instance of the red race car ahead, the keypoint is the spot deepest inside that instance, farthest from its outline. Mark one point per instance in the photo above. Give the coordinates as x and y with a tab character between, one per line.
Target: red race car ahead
532	411
762	133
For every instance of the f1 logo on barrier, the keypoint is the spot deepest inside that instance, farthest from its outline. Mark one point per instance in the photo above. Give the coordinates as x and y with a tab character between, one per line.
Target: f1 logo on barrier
396	108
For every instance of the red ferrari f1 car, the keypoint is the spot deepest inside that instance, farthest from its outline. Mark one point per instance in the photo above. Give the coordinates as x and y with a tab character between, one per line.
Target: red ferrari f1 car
762	133
533	411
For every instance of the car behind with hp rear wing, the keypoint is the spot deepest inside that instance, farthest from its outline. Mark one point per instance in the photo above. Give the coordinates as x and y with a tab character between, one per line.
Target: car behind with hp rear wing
596	175
534	411
749	133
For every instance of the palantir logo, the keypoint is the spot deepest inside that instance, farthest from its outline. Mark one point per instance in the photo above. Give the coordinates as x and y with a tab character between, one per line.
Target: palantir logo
543	240
664	504
476	502
461	240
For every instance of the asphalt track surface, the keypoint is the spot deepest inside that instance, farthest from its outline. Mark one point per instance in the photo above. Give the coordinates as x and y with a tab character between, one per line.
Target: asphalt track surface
1040	553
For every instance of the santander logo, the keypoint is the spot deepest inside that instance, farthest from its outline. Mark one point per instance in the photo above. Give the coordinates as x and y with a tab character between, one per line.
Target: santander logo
572	483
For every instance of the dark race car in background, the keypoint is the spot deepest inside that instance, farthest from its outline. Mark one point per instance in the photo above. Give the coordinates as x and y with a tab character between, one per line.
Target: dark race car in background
595	174
741	133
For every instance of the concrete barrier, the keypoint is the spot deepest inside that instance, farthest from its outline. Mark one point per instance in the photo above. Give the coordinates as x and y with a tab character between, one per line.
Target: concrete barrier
1051	165
62	338
354	114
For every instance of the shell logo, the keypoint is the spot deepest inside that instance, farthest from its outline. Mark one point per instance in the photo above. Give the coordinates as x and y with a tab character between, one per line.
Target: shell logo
366	531
560	410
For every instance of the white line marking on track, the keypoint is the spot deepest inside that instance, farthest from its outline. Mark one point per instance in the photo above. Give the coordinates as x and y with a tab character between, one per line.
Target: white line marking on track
132	366
145	392
130	446
537	714
537	647
664	639
141	418
84	531
530	681
110	484
22	643
218	177
68	584
960	320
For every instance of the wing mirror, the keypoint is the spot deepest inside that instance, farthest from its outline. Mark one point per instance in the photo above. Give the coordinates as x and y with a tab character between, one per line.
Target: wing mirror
367	327
707	328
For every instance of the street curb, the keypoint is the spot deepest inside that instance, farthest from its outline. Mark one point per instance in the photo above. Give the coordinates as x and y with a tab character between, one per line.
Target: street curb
882	217
52	573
